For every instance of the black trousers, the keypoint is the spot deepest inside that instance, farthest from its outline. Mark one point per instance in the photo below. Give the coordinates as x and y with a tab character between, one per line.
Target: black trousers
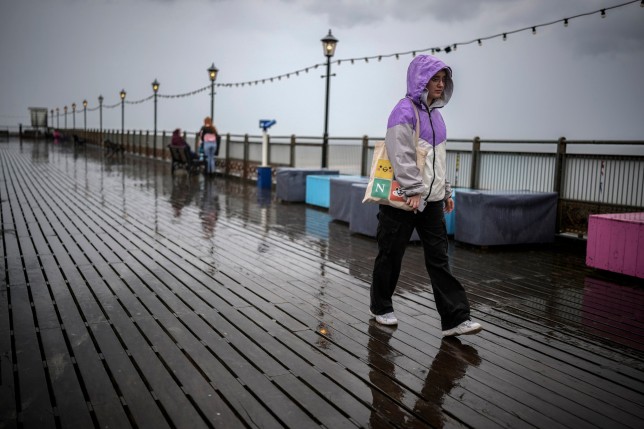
395	227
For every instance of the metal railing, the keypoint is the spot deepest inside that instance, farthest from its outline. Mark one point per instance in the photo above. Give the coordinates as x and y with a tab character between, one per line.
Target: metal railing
589	176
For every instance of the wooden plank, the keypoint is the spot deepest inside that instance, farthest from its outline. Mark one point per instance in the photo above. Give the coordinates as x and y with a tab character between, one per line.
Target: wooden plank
71	405
142	358
8	413
35	405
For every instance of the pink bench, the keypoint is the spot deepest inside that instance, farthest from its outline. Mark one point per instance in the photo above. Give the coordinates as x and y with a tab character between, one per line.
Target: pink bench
616	243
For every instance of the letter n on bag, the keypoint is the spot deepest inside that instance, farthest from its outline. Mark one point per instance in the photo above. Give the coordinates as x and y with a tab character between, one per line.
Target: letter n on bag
381	188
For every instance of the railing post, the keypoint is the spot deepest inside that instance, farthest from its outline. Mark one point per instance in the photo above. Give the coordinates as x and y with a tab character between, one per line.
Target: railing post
476	160
162	144
20	132
291	161
147	149
227	162
560	162
365	157
559	165
245	172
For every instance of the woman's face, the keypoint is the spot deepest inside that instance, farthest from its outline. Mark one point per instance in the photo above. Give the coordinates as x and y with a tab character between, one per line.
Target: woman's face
436	85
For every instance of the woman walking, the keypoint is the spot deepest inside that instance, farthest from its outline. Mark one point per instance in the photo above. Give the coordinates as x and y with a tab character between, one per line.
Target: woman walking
428	195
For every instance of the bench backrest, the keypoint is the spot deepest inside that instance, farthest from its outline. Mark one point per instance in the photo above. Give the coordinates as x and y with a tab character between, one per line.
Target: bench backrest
180	154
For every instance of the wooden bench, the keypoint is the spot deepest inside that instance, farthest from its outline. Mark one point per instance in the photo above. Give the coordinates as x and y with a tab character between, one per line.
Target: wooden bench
113	147
79	141
182	158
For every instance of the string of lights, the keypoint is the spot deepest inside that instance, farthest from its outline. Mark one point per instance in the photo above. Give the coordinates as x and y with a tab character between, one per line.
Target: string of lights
187	94
436	49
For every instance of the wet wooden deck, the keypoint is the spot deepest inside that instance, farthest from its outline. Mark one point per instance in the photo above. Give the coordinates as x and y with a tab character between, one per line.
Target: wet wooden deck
132	299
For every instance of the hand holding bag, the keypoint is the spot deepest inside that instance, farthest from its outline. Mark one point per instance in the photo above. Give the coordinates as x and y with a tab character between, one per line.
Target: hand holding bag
382	187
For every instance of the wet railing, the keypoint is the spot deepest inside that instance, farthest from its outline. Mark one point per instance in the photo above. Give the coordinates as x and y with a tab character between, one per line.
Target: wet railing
590	176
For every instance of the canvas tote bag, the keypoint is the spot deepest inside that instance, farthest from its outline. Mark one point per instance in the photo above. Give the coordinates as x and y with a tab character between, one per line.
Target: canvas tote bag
383	187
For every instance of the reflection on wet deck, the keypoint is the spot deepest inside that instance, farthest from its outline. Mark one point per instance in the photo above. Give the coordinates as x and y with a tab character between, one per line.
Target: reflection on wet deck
130	298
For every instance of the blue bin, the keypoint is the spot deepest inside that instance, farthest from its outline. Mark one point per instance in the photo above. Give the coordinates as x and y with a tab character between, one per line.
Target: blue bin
264	178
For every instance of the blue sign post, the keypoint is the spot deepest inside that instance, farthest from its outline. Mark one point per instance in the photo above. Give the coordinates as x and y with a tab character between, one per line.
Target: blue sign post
264	173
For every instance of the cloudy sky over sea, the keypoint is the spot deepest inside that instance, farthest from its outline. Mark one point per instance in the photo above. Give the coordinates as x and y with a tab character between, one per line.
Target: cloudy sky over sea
583	81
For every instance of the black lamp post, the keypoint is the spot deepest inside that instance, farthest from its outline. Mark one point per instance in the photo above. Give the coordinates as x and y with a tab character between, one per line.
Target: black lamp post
85	114
73	116
122	94
155	88
212	72
328	45
57	117
65	109
100	115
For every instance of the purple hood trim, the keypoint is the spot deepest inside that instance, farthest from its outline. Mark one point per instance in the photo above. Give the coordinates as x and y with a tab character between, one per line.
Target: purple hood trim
420	70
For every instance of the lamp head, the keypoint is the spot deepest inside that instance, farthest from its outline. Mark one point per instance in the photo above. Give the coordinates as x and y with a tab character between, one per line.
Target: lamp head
155	86
122	94
328	44
212	72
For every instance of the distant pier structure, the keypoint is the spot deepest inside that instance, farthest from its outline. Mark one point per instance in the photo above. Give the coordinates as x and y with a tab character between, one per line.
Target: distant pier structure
38	119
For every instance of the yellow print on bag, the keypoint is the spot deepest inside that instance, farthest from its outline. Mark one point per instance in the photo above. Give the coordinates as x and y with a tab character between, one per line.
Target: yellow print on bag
384	170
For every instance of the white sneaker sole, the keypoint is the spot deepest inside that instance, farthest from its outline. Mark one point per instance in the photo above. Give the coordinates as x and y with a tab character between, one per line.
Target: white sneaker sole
456	333
373	316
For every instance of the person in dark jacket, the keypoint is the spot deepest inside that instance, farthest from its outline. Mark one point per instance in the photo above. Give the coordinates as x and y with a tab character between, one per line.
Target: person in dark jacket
179	141
427	193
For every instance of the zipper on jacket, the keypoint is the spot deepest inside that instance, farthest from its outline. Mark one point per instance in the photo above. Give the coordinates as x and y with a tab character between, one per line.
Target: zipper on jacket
431	124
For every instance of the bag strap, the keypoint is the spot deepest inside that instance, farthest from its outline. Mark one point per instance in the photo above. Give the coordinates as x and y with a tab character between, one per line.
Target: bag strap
417	130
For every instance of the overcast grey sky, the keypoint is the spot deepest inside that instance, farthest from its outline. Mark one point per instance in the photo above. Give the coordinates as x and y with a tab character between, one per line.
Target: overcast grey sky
583	81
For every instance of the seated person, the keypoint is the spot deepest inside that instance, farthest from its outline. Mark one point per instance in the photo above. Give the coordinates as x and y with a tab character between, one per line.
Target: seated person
178	141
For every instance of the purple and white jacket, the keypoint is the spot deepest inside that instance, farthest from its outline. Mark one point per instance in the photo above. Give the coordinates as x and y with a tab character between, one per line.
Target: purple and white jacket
399	139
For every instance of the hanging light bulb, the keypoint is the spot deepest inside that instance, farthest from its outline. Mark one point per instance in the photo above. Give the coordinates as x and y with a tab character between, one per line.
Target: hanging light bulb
603	13
534	30
480	43
454	46
505	37
566	22
398	56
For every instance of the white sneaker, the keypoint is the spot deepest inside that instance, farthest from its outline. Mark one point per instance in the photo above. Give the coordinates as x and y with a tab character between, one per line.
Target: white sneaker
385	319
466	328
